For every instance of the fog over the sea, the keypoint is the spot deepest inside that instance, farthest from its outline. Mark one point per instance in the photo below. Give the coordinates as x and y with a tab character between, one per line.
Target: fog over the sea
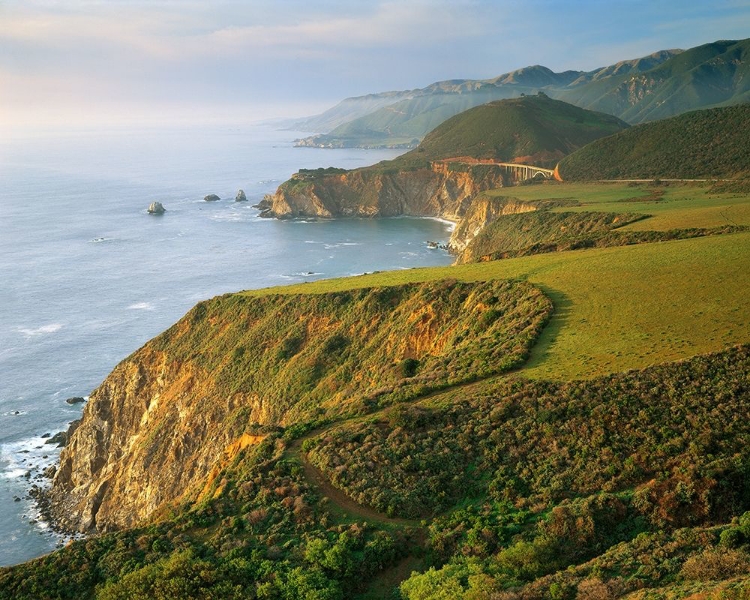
89	62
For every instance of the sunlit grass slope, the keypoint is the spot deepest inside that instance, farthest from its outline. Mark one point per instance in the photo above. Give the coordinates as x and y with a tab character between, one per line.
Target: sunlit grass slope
616	308
670	205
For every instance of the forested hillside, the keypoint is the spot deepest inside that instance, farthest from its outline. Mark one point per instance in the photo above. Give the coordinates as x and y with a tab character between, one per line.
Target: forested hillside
704	144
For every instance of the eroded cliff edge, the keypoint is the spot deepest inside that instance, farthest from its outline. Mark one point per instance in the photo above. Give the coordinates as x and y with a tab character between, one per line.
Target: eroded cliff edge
438	190
165	420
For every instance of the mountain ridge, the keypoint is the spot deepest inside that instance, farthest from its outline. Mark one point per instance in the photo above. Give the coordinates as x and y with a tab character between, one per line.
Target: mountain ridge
659	85
343	111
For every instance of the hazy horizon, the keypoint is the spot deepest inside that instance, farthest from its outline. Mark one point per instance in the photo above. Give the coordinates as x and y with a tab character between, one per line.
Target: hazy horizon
88	63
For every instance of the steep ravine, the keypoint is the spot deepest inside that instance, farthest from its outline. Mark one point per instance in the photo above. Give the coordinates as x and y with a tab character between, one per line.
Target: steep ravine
237	366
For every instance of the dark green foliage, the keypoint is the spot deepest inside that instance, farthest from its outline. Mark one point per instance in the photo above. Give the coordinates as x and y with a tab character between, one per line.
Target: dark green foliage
537	127
706	144
731	538
409	367
667	429
335	343
290	346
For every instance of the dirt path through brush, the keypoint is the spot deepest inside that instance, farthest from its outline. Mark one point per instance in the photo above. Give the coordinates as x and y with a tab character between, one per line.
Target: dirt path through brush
318	481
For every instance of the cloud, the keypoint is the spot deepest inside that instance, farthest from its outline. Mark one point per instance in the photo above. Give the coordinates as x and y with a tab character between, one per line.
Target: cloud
105	55
165	31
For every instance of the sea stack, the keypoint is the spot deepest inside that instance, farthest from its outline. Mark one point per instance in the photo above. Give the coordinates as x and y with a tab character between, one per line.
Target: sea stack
240	197
156	208
211	198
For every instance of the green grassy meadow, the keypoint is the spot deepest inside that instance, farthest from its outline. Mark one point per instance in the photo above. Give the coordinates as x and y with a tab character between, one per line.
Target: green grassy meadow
670	205
615	308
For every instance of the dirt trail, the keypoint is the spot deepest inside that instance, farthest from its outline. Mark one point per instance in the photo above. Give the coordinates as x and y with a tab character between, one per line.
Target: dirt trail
317	479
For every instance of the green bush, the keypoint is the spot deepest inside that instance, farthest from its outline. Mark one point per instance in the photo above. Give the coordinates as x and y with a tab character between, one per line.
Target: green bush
409	367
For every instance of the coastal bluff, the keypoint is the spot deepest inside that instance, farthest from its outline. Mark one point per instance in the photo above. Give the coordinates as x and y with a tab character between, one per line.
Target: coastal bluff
438	190
238	367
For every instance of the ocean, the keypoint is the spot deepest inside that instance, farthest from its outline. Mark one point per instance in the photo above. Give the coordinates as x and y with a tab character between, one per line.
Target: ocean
87	276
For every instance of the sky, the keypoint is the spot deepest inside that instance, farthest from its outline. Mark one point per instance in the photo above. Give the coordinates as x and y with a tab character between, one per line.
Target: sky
93	62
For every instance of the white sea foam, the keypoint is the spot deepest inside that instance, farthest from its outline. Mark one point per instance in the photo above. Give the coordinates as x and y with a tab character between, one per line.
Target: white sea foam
15	413
231	217
450	225
142	306
30	455
340	245
43	330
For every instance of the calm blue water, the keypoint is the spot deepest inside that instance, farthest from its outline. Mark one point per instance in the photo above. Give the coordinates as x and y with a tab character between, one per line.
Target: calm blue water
87	276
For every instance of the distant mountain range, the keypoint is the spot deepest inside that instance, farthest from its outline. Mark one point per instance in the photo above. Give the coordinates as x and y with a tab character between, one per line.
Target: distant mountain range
661	85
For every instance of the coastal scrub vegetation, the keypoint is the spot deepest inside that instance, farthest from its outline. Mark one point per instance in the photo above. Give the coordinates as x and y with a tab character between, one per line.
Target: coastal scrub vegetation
526	234
534	444
266	534
631	483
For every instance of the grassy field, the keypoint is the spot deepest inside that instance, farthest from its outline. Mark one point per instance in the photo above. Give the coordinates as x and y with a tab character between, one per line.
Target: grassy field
672	205
616	308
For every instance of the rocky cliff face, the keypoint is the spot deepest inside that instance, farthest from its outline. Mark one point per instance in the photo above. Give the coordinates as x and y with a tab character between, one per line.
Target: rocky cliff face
147	437
483	211
169	416
438	191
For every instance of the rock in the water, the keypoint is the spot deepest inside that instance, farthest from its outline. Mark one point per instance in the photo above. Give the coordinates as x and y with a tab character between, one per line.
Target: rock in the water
59	438
75	400
211	198
50	471
156	208
62	437
240	197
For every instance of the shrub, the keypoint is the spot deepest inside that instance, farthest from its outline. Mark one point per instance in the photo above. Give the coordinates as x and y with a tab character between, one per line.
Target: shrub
409	367
716	563
731	538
